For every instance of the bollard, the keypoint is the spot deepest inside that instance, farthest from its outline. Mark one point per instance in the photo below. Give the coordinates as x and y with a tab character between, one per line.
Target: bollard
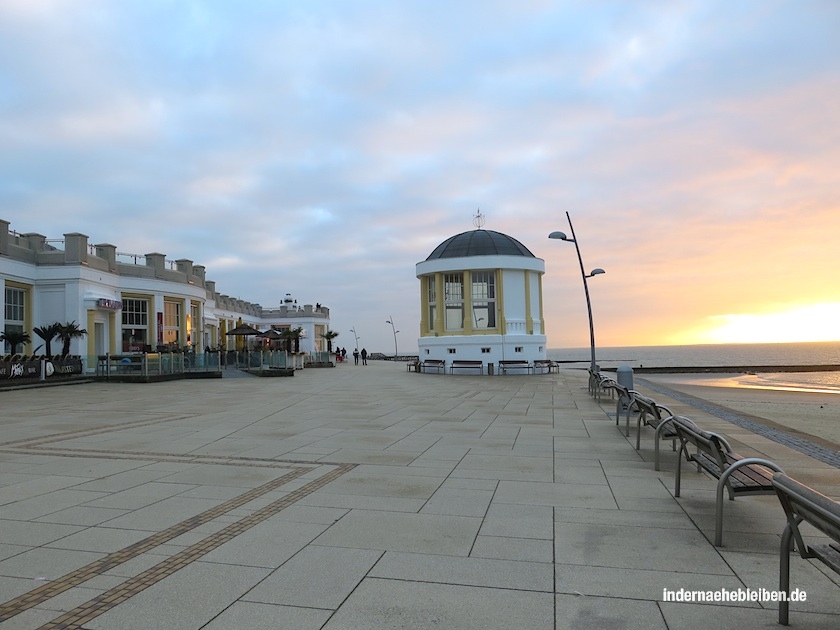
489	369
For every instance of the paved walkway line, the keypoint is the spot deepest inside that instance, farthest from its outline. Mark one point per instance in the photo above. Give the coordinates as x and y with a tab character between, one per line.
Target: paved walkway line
76	618
39	595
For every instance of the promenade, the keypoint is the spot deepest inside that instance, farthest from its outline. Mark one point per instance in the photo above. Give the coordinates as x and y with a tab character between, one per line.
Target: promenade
370	497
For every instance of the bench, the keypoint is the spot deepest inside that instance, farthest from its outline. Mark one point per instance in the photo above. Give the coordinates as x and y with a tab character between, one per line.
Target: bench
736	474
467	365
599	383
504	366
432	364
547	364
624	399
802	503
657	417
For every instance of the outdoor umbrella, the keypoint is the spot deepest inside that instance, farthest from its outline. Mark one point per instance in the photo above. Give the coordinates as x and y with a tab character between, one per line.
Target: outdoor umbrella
272	335
243	330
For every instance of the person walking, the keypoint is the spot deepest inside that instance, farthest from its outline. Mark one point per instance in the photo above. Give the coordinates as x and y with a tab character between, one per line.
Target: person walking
356	356
343	355
364	356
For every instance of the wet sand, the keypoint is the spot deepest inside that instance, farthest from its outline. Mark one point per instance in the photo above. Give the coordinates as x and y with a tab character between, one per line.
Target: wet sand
813	413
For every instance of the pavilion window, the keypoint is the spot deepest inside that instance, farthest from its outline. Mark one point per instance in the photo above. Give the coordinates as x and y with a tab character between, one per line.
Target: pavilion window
453	285
483	299
432	298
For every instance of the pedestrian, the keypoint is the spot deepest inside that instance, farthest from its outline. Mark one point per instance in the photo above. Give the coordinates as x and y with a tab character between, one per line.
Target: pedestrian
356	356
343	355
364	356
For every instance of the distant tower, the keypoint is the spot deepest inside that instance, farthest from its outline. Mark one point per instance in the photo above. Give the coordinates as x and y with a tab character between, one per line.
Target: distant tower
481	299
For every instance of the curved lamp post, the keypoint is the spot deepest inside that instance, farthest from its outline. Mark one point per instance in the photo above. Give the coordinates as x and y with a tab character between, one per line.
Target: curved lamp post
391	321
353	330
597	271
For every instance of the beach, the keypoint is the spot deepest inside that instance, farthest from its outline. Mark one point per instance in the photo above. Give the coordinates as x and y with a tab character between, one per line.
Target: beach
803	410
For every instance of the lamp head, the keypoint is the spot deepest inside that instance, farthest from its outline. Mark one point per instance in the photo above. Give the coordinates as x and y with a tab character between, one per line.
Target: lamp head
596	272
561	236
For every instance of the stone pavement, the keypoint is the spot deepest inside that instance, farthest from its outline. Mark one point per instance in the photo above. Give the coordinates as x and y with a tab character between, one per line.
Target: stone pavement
370	497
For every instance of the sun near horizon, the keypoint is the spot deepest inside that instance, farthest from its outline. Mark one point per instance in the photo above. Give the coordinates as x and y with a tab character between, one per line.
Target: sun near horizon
805	323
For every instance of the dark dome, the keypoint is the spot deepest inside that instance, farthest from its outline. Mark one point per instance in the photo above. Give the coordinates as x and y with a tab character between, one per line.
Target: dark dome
480	243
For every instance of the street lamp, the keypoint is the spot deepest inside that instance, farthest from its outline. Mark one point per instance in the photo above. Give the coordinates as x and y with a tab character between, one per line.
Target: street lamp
391	321
353	330
562	237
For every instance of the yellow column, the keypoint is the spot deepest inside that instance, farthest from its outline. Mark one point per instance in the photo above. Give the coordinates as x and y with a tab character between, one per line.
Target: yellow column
439	305
91	340
468	311
529	324
500	302
112	326
182	324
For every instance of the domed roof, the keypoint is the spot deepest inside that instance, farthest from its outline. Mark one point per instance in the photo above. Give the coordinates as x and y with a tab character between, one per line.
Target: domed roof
480	243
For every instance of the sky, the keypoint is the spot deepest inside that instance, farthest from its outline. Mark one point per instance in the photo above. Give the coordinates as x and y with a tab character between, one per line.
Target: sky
323	148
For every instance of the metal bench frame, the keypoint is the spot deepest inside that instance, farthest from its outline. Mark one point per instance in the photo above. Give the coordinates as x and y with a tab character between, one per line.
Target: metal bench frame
432	364
735	474
625	400
504	366
802	503
659	418
467	365
547	364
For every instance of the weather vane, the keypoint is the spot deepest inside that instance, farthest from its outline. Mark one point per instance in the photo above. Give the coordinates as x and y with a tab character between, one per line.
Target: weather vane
478	219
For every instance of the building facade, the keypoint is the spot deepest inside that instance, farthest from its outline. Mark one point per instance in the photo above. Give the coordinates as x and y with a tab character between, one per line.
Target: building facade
481	299
130	303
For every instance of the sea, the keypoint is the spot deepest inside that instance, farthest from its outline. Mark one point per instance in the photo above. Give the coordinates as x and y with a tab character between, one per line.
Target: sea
759	360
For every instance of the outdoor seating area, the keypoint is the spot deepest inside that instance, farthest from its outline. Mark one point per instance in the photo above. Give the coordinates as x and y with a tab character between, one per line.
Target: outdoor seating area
438	366
735	475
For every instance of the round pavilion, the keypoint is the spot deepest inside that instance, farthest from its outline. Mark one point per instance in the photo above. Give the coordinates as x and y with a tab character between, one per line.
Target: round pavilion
481	299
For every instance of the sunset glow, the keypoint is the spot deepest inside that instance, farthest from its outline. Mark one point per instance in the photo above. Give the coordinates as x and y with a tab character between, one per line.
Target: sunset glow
324	149
816	322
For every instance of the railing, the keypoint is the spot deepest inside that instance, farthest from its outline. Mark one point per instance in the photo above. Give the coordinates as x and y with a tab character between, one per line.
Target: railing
154	363
160	363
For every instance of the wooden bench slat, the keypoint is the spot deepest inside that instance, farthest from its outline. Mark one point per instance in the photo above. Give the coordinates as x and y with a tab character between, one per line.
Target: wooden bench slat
735	474
802	503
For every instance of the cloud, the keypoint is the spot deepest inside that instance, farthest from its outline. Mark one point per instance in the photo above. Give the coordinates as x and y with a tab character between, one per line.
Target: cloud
323	150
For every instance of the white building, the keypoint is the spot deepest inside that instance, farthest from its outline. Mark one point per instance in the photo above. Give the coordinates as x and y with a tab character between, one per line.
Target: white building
127	302
481	299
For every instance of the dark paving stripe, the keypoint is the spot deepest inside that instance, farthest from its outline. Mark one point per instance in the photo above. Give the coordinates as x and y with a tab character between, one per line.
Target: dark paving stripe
806	447
214	460
79	576
69	435
76	618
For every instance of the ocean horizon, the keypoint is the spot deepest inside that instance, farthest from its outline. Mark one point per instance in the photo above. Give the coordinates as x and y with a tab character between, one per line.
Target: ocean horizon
754	355
706	355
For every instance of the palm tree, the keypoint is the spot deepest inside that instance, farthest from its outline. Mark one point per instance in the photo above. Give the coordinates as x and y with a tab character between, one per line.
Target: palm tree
329	336
15	338
287	335
48	333
296	334
67	332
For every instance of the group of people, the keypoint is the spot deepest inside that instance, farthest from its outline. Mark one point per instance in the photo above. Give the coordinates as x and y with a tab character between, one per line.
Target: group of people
341	355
